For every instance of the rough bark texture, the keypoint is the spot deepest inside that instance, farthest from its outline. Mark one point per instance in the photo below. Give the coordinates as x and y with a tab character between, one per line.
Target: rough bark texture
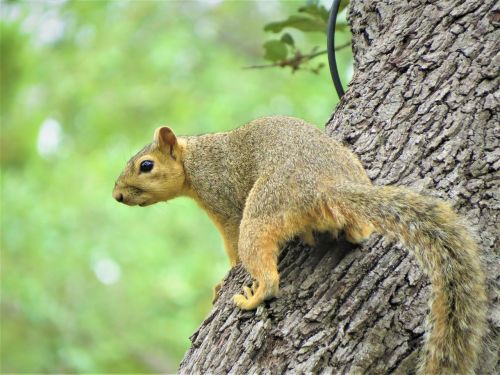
421	111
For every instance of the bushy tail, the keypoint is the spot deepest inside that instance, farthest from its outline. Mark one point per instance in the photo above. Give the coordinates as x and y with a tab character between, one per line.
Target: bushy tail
442	244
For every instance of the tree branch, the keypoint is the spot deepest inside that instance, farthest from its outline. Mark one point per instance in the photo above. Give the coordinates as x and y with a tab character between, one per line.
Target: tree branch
298	59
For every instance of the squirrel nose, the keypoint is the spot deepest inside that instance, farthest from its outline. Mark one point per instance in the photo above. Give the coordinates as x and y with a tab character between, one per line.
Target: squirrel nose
118	197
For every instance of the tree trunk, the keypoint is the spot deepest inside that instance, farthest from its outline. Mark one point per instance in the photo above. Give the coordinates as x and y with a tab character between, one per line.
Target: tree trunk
421	111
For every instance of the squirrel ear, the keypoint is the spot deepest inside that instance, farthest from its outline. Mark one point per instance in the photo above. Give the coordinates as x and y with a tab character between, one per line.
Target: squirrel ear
166	140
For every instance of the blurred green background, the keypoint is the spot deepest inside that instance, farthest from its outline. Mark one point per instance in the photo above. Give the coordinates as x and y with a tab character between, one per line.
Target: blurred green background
87	284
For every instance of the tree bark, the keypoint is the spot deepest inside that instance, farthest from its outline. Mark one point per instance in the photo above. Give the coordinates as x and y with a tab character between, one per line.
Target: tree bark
421	111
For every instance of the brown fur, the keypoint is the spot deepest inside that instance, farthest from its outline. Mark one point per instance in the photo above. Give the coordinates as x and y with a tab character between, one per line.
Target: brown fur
278	177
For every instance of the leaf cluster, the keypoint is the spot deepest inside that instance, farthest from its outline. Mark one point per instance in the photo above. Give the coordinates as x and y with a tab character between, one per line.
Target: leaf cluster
284	52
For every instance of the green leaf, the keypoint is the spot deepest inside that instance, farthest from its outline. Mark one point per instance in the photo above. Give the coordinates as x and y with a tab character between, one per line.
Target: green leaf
298	22
275	50
315	10
287	39
341	26
343	5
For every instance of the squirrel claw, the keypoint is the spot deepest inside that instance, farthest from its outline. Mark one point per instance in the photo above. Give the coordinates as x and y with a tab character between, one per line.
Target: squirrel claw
240	301
248	300
246	303
255	285
248	292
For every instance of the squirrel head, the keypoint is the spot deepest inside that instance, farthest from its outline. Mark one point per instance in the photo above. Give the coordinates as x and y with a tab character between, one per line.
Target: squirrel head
154	174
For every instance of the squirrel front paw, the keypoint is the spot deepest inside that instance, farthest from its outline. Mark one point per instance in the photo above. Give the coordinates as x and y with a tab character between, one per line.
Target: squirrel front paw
247	303
252	297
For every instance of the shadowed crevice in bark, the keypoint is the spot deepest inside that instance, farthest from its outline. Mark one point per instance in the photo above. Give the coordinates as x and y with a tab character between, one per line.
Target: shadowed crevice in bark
421	111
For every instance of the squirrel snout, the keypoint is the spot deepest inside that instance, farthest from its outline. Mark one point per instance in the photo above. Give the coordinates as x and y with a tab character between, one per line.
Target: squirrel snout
118	196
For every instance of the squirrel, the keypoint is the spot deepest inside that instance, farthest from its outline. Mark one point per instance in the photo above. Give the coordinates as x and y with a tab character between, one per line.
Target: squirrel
279	177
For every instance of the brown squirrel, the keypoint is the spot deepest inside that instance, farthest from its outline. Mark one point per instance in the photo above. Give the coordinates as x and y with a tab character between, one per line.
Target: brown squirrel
278	177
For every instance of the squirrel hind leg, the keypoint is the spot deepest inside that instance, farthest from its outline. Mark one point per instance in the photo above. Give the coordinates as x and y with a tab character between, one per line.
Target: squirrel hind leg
308	238
258	247
357	234
356	230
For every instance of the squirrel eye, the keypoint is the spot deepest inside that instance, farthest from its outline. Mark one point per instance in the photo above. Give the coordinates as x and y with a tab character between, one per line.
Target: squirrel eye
146	165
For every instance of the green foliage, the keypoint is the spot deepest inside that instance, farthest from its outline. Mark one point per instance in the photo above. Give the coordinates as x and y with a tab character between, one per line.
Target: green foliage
311	18
88	285
315	18
277	49
288	39
302	23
